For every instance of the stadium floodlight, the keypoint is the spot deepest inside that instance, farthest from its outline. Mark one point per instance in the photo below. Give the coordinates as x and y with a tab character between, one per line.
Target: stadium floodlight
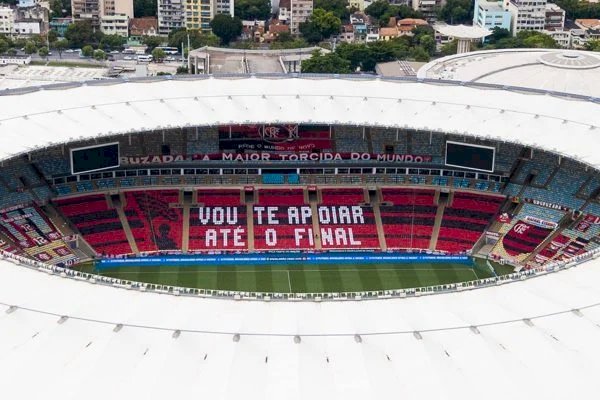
528	322
418	335
474	329
236	337
297	339
11	309
117	328
357	338
62	320
176	334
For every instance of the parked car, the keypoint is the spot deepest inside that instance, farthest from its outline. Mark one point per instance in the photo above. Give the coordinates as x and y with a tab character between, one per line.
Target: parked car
128	58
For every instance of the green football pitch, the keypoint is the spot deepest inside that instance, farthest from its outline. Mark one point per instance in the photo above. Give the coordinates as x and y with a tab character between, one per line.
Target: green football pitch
306	278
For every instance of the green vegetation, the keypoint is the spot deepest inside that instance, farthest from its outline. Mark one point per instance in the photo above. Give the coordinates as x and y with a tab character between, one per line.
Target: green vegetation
457	12
197	38
382	11
158	55
226	27
339	8
330	63
144	8
320	25
306	278
252	9
502	39
363	57
576	9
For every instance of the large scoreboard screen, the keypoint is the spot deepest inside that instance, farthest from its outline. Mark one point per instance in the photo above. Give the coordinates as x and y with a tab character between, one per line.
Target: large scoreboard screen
94	158
470	156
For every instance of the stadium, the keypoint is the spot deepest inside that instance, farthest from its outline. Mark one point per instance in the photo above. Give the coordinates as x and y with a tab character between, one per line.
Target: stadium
298	236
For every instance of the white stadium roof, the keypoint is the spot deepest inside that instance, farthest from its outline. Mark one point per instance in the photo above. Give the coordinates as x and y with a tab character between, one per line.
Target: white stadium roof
520	341
515	341
549	69
57	114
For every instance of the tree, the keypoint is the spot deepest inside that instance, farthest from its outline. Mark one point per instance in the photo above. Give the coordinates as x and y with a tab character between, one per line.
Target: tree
593	45
339	8
326	64
534	39
99	55
112	42
154	41
449	48
498	34
320	25
60	8
197	38
420	54
428	43
43	52
252	9
12	51
52	36
144	8
87	51
3	46
60	46
456	12
81	33
226	27
377	8
158	55
30	47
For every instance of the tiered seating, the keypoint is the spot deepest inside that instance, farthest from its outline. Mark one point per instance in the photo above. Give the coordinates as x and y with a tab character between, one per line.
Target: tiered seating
53	166
350	139
421	145
527	230
344	223
543	213
552	249
163	218
207	143
9	248
219	223
99	225
380	137
342	196
28	227
408	220
465	220
591	186
138	223
544	163
506	156
282	220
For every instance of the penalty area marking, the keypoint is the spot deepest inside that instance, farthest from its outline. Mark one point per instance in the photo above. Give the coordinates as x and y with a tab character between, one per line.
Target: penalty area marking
289	280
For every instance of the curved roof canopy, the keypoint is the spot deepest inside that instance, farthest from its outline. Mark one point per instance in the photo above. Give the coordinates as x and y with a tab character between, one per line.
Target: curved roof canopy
63	113
71	339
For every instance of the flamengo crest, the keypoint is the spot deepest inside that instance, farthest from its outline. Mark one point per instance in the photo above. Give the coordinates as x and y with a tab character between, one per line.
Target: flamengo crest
278	134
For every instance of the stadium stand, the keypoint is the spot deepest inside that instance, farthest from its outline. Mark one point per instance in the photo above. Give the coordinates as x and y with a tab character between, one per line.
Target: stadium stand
465	220
350	139
99	225
282	220
408	216
344	221
219	222
542	164
28	227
